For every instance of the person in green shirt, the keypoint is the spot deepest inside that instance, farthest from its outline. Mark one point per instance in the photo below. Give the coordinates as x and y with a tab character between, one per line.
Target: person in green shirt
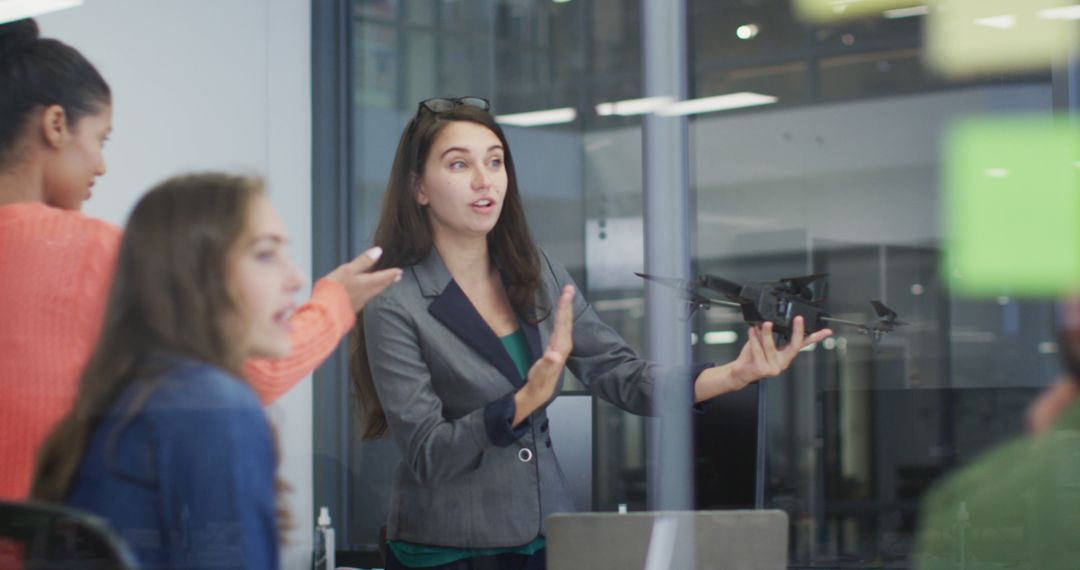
1019	505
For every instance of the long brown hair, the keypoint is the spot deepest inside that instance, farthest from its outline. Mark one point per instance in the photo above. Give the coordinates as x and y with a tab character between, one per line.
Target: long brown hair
404	232
169	294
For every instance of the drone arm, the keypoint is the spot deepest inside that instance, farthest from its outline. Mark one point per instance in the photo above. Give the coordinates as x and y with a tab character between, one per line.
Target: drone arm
843	322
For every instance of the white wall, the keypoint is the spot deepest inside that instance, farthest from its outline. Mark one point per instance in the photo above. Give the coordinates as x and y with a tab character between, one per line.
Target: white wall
211	84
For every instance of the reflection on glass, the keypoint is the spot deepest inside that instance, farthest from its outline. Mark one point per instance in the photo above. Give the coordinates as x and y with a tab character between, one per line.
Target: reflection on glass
377	9
466	65
376	65
840	174
421	66
965	37
422	12
1019	173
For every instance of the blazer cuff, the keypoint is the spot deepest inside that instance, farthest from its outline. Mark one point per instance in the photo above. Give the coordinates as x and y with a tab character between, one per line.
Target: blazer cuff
695	371
498	416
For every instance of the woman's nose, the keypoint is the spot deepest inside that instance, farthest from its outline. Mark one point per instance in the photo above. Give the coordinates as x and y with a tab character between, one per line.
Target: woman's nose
481	179
294	281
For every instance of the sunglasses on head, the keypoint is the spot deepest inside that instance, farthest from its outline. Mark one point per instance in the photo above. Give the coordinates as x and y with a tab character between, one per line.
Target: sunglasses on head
442	104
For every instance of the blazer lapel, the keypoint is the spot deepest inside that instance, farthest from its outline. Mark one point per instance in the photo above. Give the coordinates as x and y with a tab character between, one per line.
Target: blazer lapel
454	310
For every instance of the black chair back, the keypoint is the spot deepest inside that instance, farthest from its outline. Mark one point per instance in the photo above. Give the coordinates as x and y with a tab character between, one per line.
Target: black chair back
41	536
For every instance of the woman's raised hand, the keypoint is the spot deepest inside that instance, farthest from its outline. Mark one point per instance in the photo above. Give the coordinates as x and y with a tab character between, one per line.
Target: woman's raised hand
362	285
761	358
544	375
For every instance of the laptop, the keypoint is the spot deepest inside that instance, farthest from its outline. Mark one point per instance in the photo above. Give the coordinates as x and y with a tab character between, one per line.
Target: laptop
726	540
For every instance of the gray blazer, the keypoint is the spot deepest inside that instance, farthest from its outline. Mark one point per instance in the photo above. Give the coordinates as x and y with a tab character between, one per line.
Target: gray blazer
447	384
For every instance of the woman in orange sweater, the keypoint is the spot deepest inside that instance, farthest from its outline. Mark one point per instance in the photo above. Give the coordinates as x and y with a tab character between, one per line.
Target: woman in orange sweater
56	264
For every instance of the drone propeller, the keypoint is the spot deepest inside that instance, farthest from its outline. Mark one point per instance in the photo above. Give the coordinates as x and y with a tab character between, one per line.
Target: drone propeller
887	315
666	281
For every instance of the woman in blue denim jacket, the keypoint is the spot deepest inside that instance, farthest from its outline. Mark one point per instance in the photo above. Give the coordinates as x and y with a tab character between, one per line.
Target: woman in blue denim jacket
166	441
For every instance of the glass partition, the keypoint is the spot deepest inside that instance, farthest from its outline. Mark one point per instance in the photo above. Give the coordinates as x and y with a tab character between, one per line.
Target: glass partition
835	168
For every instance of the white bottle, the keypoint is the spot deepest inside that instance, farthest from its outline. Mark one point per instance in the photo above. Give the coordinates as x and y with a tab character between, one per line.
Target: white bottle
324	542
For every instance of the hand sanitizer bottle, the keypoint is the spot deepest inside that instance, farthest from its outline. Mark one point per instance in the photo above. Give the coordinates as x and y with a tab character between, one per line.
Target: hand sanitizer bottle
324	542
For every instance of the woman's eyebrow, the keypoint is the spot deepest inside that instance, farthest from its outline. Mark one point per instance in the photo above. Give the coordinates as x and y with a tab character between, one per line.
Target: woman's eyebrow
466	151
275	239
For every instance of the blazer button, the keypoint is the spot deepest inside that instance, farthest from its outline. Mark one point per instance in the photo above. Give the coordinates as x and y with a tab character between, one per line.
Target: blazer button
525	454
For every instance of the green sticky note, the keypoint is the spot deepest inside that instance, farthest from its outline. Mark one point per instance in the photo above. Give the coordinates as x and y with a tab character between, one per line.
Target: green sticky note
1011	206
967	37
827	11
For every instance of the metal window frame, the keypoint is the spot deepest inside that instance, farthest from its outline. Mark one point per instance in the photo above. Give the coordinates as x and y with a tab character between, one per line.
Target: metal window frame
332	203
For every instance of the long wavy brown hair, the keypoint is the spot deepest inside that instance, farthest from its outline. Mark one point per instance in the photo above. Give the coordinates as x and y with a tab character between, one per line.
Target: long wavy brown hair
404	232
170	295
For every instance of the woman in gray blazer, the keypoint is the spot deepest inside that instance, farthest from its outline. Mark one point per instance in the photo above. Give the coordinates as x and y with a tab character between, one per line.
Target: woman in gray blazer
444	361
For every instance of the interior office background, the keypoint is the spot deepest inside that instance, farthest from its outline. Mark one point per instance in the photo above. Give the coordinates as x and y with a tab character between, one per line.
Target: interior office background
839	175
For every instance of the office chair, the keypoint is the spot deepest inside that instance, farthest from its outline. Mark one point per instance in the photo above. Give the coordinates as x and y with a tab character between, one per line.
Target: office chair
41	536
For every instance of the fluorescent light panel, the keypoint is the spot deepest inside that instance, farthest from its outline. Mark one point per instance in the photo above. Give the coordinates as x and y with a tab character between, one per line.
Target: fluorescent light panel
1062	13
717	103
660	105
721	337
1003	22
667	106
536	118
11	10
911	12
633	106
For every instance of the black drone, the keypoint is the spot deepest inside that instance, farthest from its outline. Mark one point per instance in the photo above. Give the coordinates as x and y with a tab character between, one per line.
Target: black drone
777	302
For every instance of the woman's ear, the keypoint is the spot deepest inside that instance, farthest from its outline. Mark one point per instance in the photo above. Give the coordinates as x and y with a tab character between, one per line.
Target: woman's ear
417	189
54	126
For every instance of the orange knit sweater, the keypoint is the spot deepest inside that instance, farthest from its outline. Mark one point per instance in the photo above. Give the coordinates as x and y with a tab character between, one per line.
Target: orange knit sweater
55	272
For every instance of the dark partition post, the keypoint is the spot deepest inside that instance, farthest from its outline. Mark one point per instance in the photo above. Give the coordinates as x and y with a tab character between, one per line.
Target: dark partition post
331	206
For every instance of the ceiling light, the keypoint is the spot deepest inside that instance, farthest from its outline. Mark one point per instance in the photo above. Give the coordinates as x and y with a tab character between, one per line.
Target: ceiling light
1000	22
1062	13
536	118
633	106
911	12
11	10
717	103
721	337
747	31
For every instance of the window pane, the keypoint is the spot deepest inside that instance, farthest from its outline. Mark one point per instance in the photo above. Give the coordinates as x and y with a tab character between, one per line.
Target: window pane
840	173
